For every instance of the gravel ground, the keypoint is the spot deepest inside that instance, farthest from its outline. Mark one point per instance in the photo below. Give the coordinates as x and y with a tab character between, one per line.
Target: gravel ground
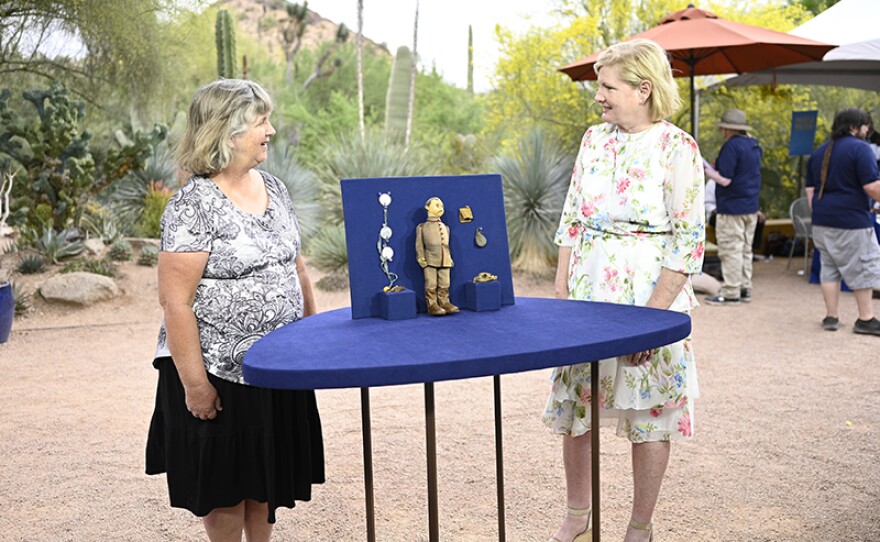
786	447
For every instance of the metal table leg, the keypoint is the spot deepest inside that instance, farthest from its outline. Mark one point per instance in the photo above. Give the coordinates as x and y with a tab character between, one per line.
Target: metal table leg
499	458
368	464
430	434
594	455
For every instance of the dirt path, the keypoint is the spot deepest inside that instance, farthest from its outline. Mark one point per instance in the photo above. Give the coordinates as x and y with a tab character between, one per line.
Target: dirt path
786	447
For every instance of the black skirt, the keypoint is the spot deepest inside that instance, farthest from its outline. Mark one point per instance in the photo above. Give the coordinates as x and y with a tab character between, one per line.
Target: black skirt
264	445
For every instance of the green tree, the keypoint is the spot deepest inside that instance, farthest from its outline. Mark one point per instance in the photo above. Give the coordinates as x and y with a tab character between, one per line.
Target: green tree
814	6
529	89
118	40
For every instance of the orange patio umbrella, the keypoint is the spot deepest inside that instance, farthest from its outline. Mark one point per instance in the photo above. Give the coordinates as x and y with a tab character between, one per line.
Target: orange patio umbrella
701	43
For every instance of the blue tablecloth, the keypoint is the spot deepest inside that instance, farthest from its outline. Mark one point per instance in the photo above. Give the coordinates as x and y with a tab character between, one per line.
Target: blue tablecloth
330	350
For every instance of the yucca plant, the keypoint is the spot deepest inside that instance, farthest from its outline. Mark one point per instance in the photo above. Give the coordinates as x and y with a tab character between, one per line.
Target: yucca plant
535	183
302	184
350	158
31	265
327	252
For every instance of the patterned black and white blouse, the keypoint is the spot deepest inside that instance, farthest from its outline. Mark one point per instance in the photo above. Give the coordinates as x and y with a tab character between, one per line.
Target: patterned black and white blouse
250	285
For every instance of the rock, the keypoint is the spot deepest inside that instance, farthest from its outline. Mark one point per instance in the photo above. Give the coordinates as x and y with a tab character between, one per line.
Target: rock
79	288
96	247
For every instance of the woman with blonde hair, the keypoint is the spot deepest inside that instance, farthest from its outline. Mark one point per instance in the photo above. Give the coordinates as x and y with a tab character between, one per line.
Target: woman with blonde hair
632	232
230	271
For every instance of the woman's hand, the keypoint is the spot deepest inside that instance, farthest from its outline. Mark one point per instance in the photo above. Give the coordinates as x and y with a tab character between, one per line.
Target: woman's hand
305	283
202	401
668	287
560	283
640	358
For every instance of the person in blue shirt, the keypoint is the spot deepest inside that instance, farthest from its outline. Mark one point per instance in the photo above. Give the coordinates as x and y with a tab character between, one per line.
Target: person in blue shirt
736	199
842	178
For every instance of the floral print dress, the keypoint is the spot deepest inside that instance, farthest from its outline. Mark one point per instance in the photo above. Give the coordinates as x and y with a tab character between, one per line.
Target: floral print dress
634	206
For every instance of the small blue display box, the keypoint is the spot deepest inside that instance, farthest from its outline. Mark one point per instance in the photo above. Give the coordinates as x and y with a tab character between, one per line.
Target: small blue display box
397	305
483	296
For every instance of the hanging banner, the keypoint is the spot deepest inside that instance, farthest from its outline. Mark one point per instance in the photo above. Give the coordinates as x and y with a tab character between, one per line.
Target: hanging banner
803	132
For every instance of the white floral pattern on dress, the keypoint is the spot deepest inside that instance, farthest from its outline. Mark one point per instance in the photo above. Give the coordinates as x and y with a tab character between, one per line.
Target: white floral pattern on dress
634	206
250	285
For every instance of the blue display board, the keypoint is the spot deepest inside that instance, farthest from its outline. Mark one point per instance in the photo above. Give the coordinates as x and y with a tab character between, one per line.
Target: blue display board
364	218
803	132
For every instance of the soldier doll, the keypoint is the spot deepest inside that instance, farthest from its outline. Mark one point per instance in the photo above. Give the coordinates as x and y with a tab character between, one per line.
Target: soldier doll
432	253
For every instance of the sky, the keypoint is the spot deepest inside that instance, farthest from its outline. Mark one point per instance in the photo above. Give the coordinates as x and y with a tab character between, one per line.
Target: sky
443	29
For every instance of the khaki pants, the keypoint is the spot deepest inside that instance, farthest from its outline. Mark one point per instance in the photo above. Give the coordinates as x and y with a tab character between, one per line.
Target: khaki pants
734	235
436	277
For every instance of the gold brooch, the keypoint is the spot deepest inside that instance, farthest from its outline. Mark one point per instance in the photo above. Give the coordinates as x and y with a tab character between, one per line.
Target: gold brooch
485	277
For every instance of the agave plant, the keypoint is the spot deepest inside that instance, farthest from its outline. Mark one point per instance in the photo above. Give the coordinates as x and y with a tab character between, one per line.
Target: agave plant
22	299
60	245
300	182
535	184
350	158
99	221
31	264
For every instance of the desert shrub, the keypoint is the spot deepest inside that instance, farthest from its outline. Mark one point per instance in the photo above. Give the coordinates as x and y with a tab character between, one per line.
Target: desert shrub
155	200
98	267
120	251
100	222
149	255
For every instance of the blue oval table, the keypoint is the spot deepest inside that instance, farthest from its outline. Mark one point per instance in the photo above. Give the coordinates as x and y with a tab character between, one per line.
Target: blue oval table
330	350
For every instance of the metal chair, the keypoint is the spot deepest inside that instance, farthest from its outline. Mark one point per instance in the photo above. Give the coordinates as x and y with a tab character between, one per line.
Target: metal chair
802	220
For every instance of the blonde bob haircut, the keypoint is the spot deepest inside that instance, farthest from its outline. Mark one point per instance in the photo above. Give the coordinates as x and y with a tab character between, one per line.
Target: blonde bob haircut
643	60
219	111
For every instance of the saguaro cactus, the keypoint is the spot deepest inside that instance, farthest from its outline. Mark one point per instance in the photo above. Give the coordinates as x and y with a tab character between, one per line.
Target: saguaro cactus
396	100
225	36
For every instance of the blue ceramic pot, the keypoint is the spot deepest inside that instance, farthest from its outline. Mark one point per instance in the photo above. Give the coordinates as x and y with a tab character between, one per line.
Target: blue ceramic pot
7	311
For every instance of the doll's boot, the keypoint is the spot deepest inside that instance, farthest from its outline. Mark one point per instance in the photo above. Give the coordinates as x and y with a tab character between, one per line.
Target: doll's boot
443	301
433	308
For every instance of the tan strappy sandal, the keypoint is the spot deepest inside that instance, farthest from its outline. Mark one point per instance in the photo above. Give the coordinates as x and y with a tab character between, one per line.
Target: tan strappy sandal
587	534
643	527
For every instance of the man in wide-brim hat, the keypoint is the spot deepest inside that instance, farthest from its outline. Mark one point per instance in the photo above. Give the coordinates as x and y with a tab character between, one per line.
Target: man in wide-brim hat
736	197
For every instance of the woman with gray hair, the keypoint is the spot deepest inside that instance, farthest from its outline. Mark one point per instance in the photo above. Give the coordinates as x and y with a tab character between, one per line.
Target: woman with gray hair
632	232
230	271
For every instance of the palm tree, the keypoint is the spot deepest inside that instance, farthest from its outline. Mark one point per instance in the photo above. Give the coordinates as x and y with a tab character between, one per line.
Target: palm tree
360	68
535	184
412	79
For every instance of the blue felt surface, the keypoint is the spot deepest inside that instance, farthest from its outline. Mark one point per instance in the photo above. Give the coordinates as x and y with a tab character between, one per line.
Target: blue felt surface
363	219
397	305
331	350
483	296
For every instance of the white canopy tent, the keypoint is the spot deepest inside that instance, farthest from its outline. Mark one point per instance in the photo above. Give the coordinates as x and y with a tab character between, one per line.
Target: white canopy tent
851	24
